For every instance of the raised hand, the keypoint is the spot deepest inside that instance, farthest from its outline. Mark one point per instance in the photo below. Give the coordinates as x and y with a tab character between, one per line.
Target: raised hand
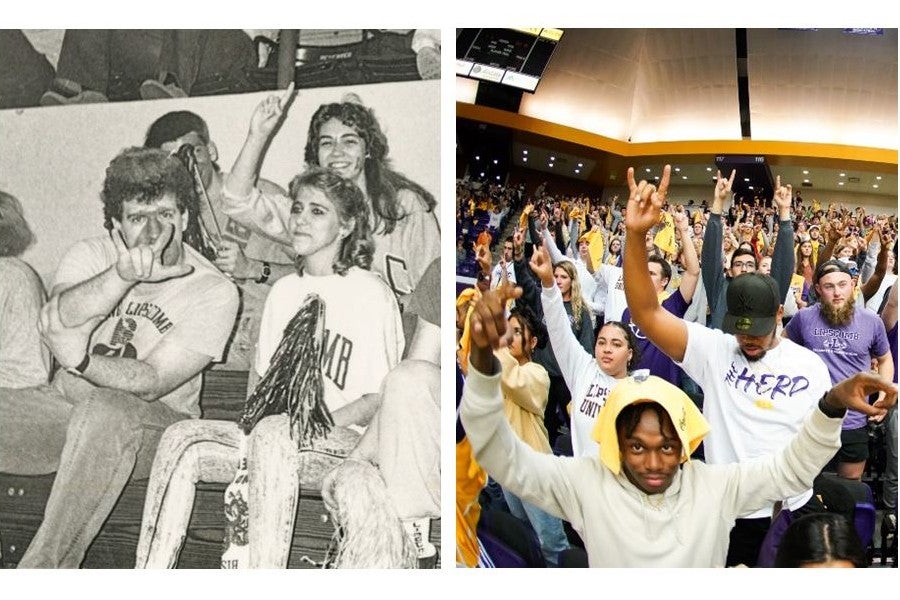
681	218
542	266
544	219
783	195
504	276
483	257
722	191
518	241
269	112
143	262
645	202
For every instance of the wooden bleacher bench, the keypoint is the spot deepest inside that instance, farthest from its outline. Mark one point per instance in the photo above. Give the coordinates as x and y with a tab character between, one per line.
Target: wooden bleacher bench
22	501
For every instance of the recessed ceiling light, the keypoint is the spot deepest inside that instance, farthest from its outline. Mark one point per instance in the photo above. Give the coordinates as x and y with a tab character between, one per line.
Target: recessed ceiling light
647	169
524	159
550	165
805	172
749	187
684	176
746	180
709	169
715	179
477	157
878	177
656	178
840	183
678	169
582	164
843	174
577	171
524	151
875	185
482	173
806	181
495	161
552	158
498	177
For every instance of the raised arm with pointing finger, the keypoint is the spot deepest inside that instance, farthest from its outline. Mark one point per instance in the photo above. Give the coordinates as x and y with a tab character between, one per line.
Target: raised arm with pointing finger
664	329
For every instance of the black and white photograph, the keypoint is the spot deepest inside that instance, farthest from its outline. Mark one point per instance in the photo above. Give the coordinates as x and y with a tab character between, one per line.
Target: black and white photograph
220	334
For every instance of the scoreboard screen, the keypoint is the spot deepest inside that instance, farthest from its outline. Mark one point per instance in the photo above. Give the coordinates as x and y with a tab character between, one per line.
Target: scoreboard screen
513	57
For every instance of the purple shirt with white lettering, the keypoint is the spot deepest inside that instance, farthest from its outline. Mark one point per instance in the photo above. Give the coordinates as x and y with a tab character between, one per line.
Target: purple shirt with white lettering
652	357
846	350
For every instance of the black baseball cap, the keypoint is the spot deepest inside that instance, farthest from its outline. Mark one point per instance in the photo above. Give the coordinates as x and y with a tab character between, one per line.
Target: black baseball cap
833	265
752	300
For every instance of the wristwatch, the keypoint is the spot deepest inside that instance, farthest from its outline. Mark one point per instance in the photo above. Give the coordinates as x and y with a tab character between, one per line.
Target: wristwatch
79	369
267	270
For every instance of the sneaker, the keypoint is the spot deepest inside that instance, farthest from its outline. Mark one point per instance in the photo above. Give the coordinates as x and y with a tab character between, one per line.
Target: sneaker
155	90
51	98
419	530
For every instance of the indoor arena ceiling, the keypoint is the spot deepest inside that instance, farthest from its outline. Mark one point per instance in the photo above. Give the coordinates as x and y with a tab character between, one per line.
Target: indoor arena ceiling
674	85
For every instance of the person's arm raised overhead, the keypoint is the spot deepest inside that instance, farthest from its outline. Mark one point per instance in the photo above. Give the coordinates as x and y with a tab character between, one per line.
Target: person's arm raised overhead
783	257
711	255
665	330
265	120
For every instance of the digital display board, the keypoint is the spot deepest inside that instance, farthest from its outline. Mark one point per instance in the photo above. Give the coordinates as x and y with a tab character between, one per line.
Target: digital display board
513	57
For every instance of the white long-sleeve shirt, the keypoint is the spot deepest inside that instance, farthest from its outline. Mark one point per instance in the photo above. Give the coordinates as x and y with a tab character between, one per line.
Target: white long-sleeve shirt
686	526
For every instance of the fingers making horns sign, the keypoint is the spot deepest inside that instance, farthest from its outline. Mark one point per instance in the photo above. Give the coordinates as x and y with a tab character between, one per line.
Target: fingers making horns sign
143	262
645	201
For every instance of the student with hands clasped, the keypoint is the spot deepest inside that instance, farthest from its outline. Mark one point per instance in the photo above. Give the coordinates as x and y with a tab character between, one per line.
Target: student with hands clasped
641	501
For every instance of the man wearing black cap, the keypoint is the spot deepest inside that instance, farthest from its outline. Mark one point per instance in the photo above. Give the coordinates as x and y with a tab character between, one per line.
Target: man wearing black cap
757	387
848	339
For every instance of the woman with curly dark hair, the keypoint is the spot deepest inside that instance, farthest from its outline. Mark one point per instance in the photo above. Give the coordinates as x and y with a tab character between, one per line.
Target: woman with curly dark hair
344	137
329	335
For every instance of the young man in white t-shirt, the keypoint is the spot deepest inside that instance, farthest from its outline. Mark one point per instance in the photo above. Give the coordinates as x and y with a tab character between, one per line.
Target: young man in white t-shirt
757	388
133	318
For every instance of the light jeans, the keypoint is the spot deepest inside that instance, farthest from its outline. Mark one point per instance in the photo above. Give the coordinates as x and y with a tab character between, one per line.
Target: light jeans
403	440
95	439
548	528
208	450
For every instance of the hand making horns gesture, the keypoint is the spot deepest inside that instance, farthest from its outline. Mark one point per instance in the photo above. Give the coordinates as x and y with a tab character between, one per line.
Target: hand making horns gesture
645	202
143	262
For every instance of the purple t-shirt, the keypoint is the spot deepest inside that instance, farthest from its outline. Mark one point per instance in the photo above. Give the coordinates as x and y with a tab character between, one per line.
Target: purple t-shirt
846	350
652	357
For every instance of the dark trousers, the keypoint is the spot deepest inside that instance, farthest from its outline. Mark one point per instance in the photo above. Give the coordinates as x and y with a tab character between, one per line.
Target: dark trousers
555	414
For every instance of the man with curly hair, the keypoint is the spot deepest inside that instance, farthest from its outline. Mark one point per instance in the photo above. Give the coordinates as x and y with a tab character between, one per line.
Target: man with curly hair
133	318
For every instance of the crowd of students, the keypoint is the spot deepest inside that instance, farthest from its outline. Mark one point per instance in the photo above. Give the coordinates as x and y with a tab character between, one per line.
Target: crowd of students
203	266
741	321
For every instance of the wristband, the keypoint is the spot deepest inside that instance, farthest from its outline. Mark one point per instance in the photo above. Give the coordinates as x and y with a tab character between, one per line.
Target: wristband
79	369
266	271
829	411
